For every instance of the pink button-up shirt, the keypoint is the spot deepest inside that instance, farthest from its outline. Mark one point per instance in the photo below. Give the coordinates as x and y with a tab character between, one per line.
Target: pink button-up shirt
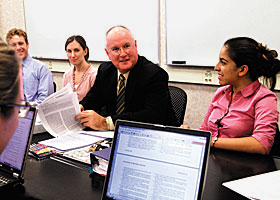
253	112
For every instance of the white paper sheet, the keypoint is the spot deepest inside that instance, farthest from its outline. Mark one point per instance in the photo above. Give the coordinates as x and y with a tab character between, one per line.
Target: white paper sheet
57	112
263	187
76	140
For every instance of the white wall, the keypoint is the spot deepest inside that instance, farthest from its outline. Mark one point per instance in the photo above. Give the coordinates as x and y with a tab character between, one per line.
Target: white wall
11	15
196	30
194	80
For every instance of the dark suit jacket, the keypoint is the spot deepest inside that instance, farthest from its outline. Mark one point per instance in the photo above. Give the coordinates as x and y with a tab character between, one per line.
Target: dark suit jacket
146	94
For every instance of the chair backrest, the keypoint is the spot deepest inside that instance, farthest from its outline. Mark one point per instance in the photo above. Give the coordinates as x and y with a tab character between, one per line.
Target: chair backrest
179	102
275	149
54	87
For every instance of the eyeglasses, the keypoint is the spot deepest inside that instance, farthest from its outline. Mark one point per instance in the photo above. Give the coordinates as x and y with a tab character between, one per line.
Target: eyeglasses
125	48
23	106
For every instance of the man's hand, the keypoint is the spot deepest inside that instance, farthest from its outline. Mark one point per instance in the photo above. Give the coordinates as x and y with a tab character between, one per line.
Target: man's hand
90	118
185	126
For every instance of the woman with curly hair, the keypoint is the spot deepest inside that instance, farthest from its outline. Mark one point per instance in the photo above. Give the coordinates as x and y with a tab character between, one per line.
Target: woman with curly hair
243	113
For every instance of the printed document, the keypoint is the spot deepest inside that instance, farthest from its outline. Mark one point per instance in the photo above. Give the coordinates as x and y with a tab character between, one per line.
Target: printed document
75	140
57	112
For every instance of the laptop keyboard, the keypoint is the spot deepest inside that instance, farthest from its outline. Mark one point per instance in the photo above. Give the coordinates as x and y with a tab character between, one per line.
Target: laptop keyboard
3	180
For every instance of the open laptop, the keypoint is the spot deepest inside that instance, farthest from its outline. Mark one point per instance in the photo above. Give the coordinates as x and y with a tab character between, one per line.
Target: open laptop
150	161
13	158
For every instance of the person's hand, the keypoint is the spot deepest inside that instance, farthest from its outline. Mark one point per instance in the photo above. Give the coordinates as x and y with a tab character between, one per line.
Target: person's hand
82	108
185	126
90	118
211	143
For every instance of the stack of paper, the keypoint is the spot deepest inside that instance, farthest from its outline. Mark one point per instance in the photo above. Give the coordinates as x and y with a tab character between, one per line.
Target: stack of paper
100	160
75	140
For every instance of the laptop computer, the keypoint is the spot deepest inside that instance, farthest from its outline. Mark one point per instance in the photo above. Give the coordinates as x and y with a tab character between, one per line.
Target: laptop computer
13	158
150	161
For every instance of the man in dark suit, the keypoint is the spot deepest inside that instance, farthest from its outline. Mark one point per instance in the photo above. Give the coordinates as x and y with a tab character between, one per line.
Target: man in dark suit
141	95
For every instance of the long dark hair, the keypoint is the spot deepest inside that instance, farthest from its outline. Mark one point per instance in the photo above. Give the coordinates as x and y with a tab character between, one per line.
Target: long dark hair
81	41
260	60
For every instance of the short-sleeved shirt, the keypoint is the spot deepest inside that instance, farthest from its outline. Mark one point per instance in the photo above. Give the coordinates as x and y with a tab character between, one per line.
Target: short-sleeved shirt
253	112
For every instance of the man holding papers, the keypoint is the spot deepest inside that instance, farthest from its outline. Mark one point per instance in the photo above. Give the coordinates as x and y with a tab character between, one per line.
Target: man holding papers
130	87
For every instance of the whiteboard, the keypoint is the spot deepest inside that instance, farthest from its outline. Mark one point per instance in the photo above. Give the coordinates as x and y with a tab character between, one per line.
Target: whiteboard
50	22
196	30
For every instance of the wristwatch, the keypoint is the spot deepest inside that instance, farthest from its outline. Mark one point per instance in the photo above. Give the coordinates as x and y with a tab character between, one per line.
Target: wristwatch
214	140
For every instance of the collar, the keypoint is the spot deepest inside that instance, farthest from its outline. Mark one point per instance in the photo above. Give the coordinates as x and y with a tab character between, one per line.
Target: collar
125	75
247	91
26	61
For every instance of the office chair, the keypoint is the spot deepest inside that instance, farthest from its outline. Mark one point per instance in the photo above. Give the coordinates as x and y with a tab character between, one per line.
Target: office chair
275	149
179	102
54	87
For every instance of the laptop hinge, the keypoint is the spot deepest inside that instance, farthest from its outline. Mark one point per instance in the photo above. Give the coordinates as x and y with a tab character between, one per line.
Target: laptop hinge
15	175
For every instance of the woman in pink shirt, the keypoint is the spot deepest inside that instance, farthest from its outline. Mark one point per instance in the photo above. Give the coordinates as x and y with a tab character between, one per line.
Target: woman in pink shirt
243	113
82	76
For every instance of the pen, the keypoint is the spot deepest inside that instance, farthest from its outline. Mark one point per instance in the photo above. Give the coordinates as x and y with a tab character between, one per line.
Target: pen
253	198
67	163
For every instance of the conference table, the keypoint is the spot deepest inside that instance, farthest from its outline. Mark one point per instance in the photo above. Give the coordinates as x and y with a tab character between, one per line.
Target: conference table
56	178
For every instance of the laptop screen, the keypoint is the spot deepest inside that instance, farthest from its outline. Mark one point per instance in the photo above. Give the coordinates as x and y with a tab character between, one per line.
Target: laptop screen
155	162
13	156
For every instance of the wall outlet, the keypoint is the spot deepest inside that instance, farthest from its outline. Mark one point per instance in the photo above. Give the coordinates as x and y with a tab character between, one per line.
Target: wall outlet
208	77
50	65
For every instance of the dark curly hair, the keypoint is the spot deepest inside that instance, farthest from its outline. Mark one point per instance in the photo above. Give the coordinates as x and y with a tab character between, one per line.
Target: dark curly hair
260	60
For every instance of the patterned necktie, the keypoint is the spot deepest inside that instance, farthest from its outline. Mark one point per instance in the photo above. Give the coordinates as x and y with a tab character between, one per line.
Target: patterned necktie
121	95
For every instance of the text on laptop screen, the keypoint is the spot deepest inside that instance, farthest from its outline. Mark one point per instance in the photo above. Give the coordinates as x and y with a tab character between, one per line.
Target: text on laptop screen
13	154
156	164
